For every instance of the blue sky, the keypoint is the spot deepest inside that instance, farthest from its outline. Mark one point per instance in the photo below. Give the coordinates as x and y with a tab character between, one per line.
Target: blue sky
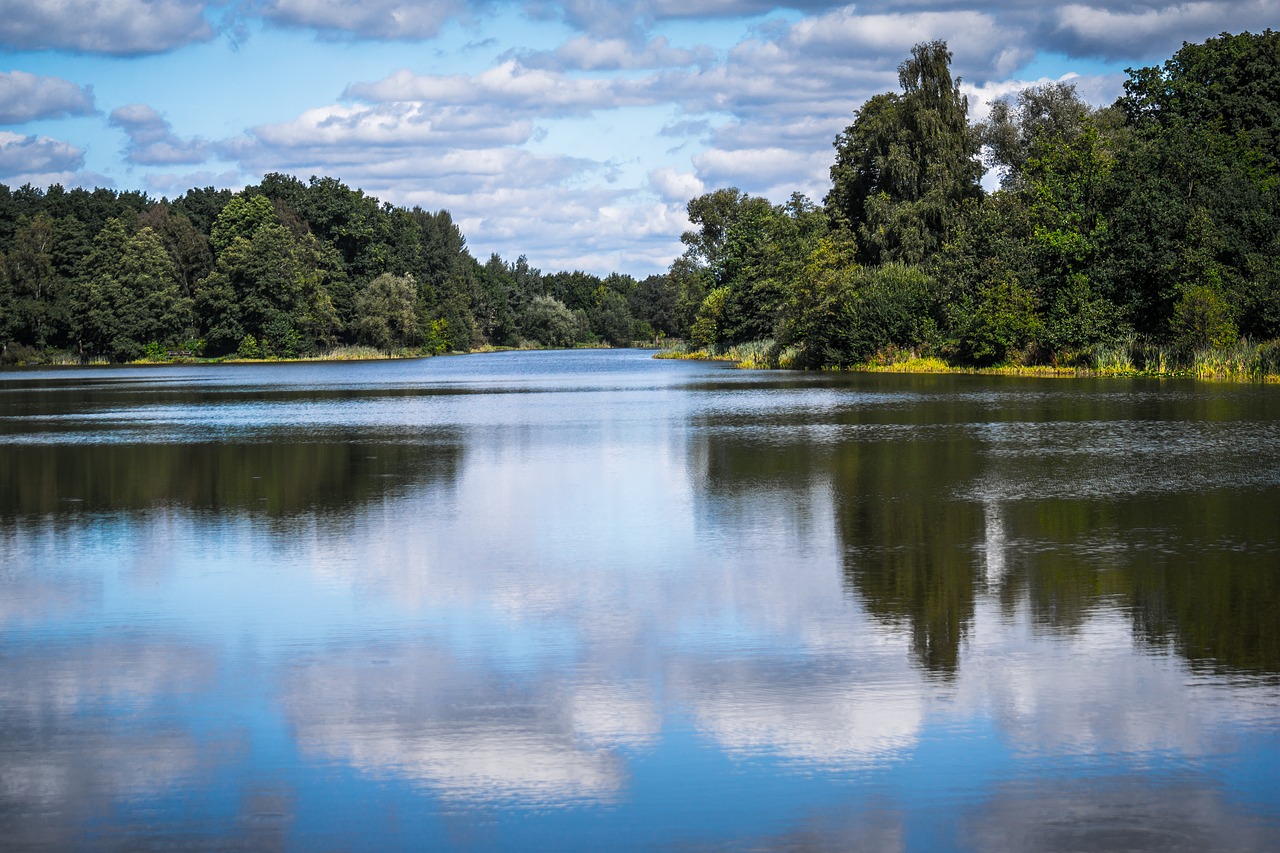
571	131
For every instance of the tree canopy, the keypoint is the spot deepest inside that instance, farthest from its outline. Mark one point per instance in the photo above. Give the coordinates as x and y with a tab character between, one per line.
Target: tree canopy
1143	231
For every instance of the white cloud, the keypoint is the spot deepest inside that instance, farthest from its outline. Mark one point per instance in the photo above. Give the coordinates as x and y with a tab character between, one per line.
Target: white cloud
21	155
26	97
510	84
152	141
172	184
586	53
978	40
1148	30
768	171
676	186
374	19
397	125
116	27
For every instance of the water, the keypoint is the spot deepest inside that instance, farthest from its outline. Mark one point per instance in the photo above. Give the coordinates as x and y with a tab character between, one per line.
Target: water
591	600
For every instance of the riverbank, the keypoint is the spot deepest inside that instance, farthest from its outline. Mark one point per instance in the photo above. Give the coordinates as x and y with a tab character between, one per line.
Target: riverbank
33	358
1243	362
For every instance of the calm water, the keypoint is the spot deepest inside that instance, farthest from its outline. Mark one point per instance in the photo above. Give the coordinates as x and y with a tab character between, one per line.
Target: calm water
591	600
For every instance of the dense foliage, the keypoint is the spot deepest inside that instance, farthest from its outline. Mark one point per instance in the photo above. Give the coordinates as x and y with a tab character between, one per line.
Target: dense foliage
1150	227
1141	234
281	269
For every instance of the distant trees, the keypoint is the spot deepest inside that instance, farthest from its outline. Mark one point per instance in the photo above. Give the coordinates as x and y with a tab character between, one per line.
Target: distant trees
281	269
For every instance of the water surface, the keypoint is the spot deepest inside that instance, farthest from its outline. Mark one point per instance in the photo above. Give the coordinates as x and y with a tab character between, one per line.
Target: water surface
591	600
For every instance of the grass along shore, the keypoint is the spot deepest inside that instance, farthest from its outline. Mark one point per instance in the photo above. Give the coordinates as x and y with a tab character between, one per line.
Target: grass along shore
1243	361
30	357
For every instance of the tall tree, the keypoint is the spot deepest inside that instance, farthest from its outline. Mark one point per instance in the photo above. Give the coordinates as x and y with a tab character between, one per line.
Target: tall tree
907	163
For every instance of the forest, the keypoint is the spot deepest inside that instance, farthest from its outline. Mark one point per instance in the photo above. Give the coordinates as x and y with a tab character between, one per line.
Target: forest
1140	236
283	269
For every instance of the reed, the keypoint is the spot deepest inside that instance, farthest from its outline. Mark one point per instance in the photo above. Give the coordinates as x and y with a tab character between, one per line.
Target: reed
1242	361
754	355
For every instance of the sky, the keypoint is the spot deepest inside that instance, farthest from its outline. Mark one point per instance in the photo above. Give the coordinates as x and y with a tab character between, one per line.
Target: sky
569	131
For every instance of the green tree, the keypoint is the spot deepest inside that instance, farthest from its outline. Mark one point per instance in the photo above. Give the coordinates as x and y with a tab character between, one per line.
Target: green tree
1230	84
1201	318
1000	324
907	163
34	314
1039	117
267	283
610	317
187	247
385	309
131	296
654	301
548	322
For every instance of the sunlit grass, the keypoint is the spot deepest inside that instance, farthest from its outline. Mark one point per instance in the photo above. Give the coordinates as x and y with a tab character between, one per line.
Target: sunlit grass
1244	361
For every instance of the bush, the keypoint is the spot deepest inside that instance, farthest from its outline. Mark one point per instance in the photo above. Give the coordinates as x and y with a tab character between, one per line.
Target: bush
1202	319
873	309
1000	325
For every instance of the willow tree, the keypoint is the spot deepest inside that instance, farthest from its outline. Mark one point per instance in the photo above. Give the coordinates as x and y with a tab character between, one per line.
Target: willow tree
907	163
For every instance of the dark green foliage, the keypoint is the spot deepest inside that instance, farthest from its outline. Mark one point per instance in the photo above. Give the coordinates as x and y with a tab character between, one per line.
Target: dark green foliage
202	207
1202	319
655	302
907	163
34	312
385	308
999	324
1144	231
610	317
284	268
1229	85
267	283
741	264
548	322
860	311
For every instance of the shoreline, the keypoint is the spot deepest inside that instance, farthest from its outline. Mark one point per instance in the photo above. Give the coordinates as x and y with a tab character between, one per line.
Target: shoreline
936	366
340	354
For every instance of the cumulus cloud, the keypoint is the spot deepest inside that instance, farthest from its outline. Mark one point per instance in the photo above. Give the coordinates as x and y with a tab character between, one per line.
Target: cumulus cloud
30	155
175	184
676	186
116	27
979	41
612	54
770	171
27	97
152	141
1148	30
511	85
398	125
560	227
373	19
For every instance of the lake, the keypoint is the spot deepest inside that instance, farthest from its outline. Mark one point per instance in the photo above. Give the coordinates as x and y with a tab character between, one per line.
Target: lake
593	600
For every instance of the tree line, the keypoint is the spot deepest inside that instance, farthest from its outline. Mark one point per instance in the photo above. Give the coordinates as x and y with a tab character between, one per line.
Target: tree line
1145	230
282	269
